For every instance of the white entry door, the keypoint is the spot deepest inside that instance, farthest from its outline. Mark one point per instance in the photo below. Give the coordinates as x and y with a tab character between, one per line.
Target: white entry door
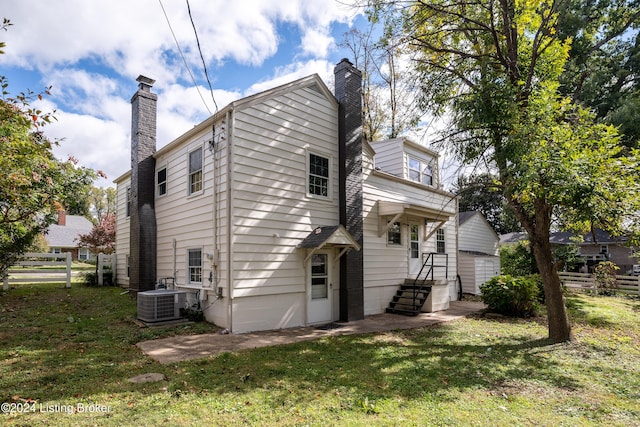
319	293
414	249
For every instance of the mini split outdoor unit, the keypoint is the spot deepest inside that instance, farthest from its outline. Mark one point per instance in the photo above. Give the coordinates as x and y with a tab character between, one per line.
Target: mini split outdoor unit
161	305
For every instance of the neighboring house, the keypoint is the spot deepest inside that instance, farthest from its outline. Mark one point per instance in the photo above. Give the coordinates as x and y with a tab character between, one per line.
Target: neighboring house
63	236
275	213
478	251
595	247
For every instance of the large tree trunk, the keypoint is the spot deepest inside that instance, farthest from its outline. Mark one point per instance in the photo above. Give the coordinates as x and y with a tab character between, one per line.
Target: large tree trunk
558	320
538	227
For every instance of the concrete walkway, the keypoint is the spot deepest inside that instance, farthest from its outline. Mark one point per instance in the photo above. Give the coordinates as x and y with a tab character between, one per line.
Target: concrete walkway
187	347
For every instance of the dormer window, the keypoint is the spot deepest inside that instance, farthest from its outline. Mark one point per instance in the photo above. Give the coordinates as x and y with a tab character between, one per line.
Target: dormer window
420	171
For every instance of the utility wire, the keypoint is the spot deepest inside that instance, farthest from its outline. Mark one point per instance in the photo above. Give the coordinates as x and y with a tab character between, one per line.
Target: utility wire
184	59
204	64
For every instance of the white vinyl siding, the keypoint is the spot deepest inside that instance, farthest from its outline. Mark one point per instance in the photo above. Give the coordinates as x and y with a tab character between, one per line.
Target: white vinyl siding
272	208
185	222
385	266
123	205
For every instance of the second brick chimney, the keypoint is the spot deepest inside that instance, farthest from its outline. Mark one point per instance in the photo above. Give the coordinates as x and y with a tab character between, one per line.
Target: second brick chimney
348	84
142	250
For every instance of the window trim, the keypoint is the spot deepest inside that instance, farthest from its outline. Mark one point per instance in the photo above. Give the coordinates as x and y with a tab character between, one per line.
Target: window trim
422	166
441	240
308	175
398	233
127	202
165	182
188	281
200	171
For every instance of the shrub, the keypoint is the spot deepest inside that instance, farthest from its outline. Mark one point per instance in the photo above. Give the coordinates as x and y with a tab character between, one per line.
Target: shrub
606	277
512	296
91	278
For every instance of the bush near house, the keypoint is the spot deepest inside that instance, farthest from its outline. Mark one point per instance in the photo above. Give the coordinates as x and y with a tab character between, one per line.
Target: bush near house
512	296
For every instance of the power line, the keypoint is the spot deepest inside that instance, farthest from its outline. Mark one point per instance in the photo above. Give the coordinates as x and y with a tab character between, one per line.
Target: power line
185	61
204	64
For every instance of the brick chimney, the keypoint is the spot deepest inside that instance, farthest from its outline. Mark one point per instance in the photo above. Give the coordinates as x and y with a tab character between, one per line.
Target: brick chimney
142	256
348	92
62	217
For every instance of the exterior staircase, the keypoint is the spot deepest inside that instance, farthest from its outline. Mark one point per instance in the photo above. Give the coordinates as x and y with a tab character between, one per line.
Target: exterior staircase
410	298
412	295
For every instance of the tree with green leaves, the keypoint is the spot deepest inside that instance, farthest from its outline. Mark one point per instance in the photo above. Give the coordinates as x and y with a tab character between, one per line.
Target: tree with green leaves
603	69
494	67
34	185
390	100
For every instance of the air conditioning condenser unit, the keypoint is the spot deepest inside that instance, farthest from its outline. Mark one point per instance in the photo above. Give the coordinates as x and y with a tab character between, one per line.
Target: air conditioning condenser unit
160	305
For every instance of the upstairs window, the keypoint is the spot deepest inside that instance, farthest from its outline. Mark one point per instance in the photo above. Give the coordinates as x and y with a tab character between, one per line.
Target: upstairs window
420	171
161	181
195	171
318	175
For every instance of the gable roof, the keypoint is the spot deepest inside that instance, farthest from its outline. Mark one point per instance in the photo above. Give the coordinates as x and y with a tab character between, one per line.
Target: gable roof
330	234
64	236
313	82
465	216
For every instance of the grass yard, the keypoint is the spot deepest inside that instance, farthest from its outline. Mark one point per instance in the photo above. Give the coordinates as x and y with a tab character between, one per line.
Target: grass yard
64	350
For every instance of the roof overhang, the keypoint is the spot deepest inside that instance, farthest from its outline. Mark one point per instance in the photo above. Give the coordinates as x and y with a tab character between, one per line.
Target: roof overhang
328	236
390	212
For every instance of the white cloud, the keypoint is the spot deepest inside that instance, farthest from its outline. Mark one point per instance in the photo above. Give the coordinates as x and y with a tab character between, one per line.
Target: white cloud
91	52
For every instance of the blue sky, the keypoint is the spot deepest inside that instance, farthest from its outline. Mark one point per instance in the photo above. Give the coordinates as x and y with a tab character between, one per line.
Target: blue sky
91	53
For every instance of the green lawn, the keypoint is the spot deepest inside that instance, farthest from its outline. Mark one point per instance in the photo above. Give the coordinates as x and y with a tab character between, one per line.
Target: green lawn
68	349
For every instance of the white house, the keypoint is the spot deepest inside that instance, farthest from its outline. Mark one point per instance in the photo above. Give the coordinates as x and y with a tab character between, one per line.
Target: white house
479	251
274	212
63	235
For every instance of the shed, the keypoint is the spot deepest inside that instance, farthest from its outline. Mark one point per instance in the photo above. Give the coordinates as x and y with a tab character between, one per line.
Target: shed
478	251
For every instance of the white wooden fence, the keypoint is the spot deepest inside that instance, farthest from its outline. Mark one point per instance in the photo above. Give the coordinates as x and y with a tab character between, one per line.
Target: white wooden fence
40	268
624	284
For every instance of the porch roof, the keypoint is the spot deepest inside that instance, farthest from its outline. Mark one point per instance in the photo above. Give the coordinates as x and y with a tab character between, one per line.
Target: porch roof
329	235
411	209
397	210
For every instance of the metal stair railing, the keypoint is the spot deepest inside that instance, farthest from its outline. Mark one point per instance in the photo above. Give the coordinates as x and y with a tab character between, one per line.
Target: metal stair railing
419	284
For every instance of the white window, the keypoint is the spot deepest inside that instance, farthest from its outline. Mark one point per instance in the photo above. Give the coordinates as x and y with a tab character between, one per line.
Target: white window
318	175
194	259
319	276
84	254
420	171
161	181
55	250
128	202
440	243
394	234
195	171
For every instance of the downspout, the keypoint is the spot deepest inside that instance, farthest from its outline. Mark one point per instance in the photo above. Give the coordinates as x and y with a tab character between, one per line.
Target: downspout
458	279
